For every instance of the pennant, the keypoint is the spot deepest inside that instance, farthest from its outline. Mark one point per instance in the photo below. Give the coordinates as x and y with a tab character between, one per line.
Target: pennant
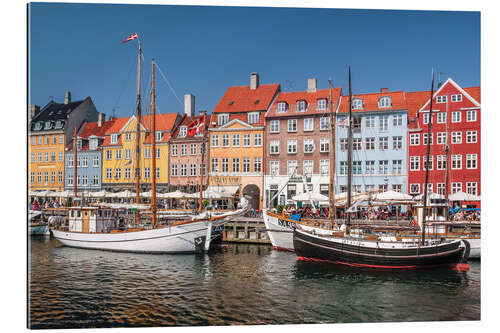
131	37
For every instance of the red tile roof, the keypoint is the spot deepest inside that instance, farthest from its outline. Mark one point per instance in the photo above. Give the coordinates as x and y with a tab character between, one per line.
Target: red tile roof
311	98
244	99
370	101
415	100
475	92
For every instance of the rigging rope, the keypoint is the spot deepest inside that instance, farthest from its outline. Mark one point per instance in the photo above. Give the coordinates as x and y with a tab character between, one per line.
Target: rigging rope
171	88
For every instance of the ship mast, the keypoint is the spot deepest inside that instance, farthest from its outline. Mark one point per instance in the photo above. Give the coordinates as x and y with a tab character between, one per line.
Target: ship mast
75	145
138	135
331	209
153	144
447	156
202	147
349	157
426	162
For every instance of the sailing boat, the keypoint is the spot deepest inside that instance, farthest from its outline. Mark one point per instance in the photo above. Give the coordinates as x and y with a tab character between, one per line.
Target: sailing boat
371	251
98	227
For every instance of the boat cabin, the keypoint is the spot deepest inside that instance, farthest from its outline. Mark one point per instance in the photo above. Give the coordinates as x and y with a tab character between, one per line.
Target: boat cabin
91	219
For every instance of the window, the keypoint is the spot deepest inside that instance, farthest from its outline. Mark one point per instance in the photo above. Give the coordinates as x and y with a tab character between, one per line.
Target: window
429	163
53	156
127	154
147	173
174	169
456	117
79	144
183	170
225	140
369	143
282	107
357	103
471	161
246	140
356	144
384	102
61	138
397	142
472	188
33	140
324	167
236	164
257	164
95	180
274	147
324	123
383	143
456	137
39	157
275	126
109	155
85	180
397	187
370	122
192	149
471	136
157	173
441	162
85	161
456	187
384	123
225	164
46	157
441	117
456	162
383	167
108	173
236	140
322	104
59	176
414	189
158	152
215	140
356	124
308	146
93	144
118	154
182	131
128	136
118	173
33	157
253	117
414	163
291	190
308	167
370	167
127	173
114	138
441	138
356	168
441	99
440	188
46	141
275	168
471	115
184	149
301	106
246	164
257	139
343	168
215	165
70	161
292	146
291	167
79	161
40	140
397	120
53	176
308	124
397	167
292	125
324	145
70	179
192	170
344	144
425	136
54	139
425	118
456	98
158	136
39	177
414	139
222	119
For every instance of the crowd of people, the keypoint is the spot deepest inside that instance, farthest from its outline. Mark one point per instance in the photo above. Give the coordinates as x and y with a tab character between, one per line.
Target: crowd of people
363	213
39	204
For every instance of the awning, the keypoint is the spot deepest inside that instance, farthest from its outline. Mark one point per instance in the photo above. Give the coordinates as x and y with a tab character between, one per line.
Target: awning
228	190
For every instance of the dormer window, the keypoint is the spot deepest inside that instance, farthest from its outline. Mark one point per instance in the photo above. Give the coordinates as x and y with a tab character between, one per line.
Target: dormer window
59	124
48	125
183	131
114	138
38	125
322	104
357	104
93	144
282	107
159	136
253	117
384	102
222	119
79	144
301	106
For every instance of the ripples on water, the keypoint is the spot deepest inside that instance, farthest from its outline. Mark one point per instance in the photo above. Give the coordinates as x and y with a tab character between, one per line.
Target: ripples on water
243	284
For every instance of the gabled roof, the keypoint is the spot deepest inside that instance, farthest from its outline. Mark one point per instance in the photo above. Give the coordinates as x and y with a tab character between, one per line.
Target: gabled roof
54	111
186	121
460	89
93	129
370	101
244	99
311	98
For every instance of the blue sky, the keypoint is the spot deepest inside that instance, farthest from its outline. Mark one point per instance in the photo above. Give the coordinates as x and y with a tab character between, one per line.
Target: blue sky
204	50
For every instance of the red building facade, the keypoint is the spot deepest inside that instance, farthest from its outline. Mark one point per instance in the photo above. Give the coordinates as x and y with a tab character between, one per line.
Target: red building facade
456	123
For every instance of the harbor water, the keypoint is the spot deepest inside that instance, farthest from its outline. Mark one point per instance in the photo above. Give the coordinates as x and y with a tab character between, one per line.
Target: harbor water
236	285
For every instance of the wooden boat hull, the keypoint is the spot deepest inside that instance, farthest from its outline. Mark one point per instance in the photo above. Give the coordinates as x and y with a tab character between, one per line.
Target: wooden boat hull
186	238
373	254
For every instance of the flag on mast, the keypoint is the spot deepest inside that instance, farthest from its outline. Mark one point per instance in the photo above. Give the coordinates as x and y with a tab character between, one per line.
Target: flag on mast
131	37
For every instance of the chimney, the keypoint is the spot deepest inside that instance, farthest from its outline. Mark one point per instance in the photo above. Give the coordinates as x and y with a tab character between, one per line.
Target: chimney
100	119
311	85
254	81
67	97
203	112
384	90
34	109
189	105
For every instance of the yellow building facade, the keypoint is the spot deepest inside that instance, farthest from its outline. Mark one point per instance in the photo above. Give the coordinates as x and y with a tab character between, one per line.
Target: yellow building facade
46	161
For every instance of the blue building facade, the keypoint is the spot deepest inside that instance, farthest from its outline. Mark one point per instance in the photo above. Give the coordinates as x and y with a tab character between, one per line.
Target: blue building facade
379	143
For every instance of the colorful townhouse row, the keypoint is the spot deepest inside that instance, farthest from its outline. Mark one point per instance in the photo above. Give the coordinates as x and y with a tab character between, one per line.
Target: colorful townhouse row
259	141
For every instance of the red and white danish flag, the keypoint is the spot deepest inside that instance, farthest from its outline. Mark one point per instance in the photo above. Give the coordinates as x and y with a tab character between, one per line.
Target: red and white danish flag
195	128
131	37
